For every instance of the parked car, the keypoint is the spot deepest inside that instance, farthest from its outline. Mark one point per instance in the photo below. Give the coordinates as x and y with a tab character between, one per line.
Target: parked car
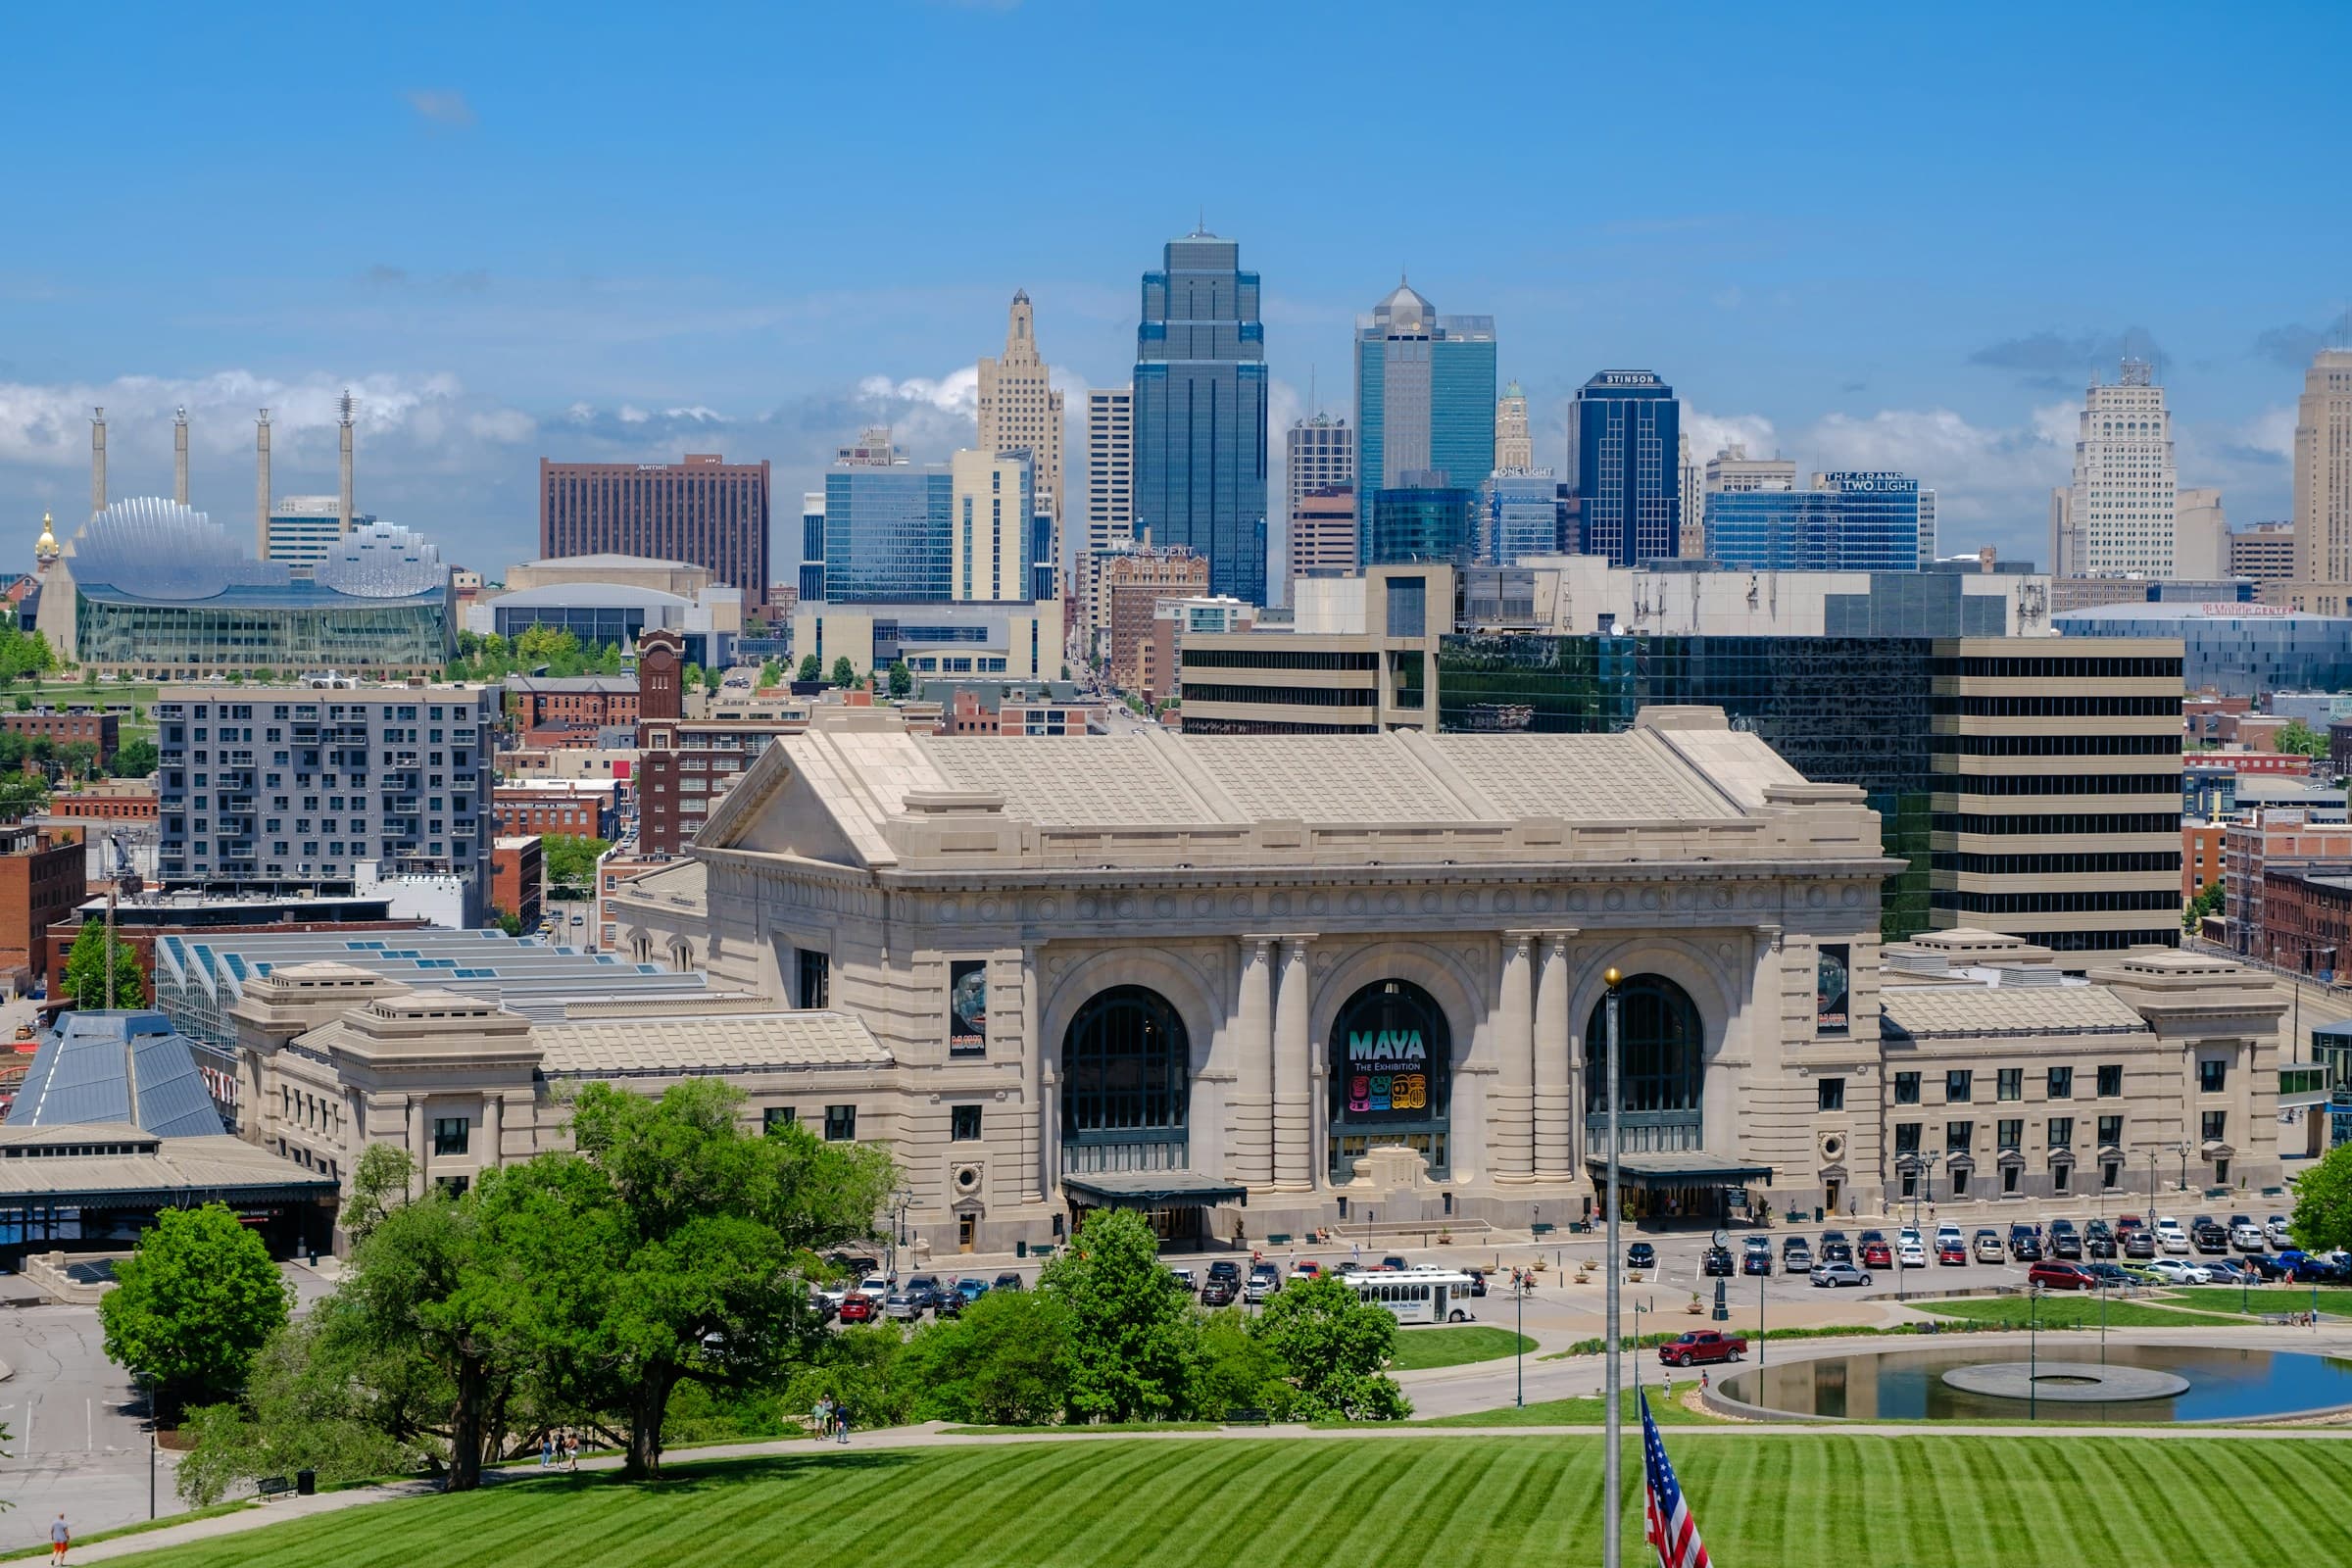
1830	1275
1006	1281
2111	1276
1911	1254
1953	1252
2057	1276
1837	1252
970	1288
1478	1281
1867	1237
1717	1264
2098	1241
1264	1279
2026	1248
948	1304
1796	1256
1226	1269
1703	1346
927	1289
2274	1231
2140	1244
1840	1237
2263	1266
2171	1238
2225	1270
1640	1255
1948	1232
1988	1246
2179	1271
825	1307
1186	1278
1307	1268
2246	1236
856	1308
1877	1254
1395	1263
904	1306
2210	1236
1756	1259
1217	1293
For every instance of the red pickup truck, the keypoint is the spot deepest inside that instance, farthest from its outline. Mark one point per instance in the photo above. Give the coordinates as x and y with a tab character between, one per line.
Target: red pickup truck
1702	1345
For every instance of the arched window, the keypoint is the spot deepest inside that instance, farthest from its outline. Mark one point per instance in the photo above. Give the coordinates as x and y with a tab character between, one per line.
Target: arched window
1390	1076
1126	1084
1661	1065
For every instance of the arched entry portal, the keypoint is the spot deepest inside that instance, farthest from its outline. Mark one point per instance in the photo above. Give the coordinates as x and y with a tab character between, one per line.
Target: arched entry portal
1390	1076
1661	1082
1126	1084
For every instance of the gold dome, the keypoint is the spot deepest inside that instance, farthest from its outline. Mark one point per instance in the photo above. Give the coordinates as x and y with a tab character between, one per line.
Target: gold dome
46	546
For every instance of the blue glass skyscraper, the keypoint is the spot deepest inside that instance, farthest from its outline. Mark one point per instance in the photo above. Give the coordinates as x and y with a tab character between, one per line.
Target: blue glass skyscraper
1424	518
1201	412
1518	516
1424	393
889	534
1625	465
1846	522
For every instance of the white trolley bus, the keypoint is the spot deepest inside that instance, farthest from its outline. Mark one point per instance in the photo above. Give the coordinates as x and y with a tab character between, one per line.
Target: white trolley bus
1417	1296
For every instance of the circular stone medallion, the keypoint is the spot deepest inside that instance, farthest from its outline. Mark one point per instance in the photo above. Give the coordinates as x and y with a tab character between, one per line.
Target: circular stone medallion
2069	1382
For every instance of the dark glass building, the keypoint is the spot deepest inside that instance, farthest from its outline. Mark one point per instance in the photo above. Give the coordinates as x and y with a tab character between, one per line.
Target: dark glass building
1625	466
889	534
1201	412
1847	522
1422	519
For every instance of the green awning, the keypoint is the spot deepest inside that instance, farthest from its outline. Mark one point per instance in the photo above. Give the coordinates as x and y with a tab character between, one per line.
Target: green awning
1676	1170
1153	1189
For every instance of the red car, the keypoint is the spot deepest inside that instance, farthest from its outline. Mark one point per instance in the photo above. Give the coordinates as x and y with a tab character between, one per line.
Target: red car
1951	1252
856	1309
2055	1276
1702	1345
1307	1268
1877	1254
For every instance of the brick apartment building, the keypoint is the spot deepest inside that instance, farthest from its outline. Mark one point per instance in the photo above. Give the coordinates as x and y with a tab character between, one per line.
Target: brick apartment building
2307	916
558	807
41	880
551	710
518	879
108	799
68	727
1132	585
684	766
2280	839
2202	848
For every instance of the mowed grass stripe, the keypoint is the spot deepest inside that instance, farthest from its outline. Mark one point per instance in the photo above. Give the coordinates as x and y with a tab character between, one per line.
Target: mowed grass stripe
1823	1499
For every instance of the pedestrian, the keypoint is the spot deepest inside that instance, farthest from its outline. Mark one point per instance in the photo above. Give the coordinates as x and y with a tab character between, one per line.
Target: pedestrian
820	1418
841	1421
1356	1251
572	1452
547	1450
60	1537
1704	1382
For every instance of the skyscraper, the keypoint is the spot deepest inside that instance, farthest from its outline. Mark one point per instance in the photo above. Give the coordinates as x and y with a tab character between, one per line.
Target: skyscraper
1424	518
1110	496
1424	393
1020	412
704	510
1514	445
889	529
1625	466
1318	461
1845	522
2118	517
1692	538
1518	517
989	530
1201	412
2324	483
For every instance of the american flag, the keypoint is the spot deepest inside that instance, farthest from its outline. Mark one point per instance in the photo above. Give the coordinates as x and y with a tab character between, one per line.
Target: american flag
1670	1529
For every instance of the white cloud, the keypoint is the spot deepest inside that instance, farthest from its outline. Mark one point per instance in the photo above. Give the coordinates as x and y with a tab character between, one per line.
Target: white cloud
2273	430
48	426
442	107
1710	433
957	392
506	425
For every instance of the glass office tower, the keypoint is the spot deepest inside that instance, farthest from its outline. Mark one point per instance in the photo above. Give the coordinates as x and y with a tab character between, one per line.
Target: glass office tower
1424	393
889	534
1846	522
1424	518
1201	412
1625	436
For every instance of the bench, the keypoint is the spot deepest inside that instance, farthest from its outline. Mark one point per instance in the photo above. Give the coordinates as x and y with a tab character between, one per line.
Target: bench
273	1487
2278	1319
1247	1416
1278	1239
1542	1227
1580	1226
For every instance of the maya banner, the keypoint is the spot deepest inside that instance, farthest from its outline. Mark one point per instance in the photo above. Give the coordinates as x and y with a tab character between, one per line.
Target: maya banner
967	1004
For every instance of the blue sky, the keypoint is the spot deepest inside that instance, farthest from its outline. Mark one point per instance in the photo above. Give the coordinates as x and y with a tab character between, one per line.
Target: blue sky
1897	238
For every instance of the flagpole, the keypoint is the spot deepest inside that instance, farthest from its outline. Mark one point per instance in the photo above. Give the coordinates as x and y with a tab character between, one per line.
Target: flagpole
1612	1418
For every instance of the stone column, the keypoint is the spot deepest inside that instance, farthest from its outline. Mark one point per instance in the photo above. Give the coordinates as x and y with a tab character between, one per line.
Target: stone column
1293	1053
1040	1076
1554	1106
419	1151
494	1130
1249	1103
1511	1149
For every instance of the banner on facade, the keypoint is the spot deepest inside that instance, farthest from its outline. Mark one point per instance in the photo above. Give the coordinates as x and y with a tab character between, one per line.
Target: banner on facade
967	1004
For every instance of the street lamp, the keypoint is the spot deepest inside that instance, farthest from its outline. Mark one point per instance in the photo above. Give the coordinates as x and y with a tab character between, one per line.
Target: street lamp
901	1200
1612	1417
1924	1166
2033	1349
1519	1300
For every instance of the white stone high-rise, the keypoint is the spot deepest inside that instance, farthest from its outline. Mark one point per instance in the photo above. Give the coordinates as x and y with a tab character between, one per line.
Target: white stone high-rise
2324	483
2120	514
1110	496
1693	541
1020	412
1514	446
1318	453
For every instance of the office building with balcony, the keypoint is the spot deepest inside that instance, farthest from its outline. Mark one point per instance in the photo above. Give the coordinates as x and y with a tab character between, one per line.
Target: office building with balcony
281	787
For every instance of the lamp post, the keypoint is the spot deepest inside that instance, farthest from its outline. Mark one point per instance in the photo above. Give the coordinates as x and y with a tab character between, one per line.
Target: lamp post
1612	1417
901	1200
2033	1349
1519	1299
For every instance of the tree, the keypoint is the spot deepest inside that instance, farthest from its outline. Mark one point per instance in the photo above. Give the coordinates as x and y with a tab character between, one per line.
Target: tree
2322	1218
193	1304
1332	1348
135	759
23	703
505	921
86	979
1236	1370
677	1246
1134	1334
1004	1361
379	1181
22	794
2208	901
901	679
690	677
844	673
810	669
79	759
304	1409
571	861
771	673
2301	739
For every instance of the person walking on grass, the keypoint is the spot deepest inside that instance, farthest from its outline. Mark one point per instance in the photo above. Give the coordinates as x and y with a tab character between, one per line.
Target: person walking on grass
60	1537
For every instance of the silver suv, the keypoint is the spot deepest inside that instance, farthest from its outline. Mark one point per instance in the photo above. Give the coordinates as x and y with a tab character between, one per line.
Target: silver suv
1264	1279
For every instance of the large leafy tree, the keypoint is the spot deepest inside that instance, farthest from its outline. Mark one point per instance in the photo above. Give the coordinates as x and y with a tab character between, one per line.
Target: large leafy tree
306	1407
1332	1348
1004	1361
86	971
194	1303
2322	1218
134	759
379	1181
2301	739
676	1246
1134	1333
571	860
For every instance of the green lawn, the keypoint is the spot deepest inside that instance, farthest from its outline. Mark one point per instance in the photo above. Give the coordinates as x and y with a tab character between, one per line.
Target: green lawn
1418	1350
2076	1310
1585	1412
1104	1426
1760	1498
2258	1298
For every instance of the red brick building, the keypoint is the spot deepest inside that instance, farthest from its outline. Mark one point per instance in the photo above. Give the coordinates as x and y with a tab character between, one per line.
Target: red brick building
41	880
558	807
518	879
66	728
2307	916
568	710
2201	852
704	510
108	799
684	767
